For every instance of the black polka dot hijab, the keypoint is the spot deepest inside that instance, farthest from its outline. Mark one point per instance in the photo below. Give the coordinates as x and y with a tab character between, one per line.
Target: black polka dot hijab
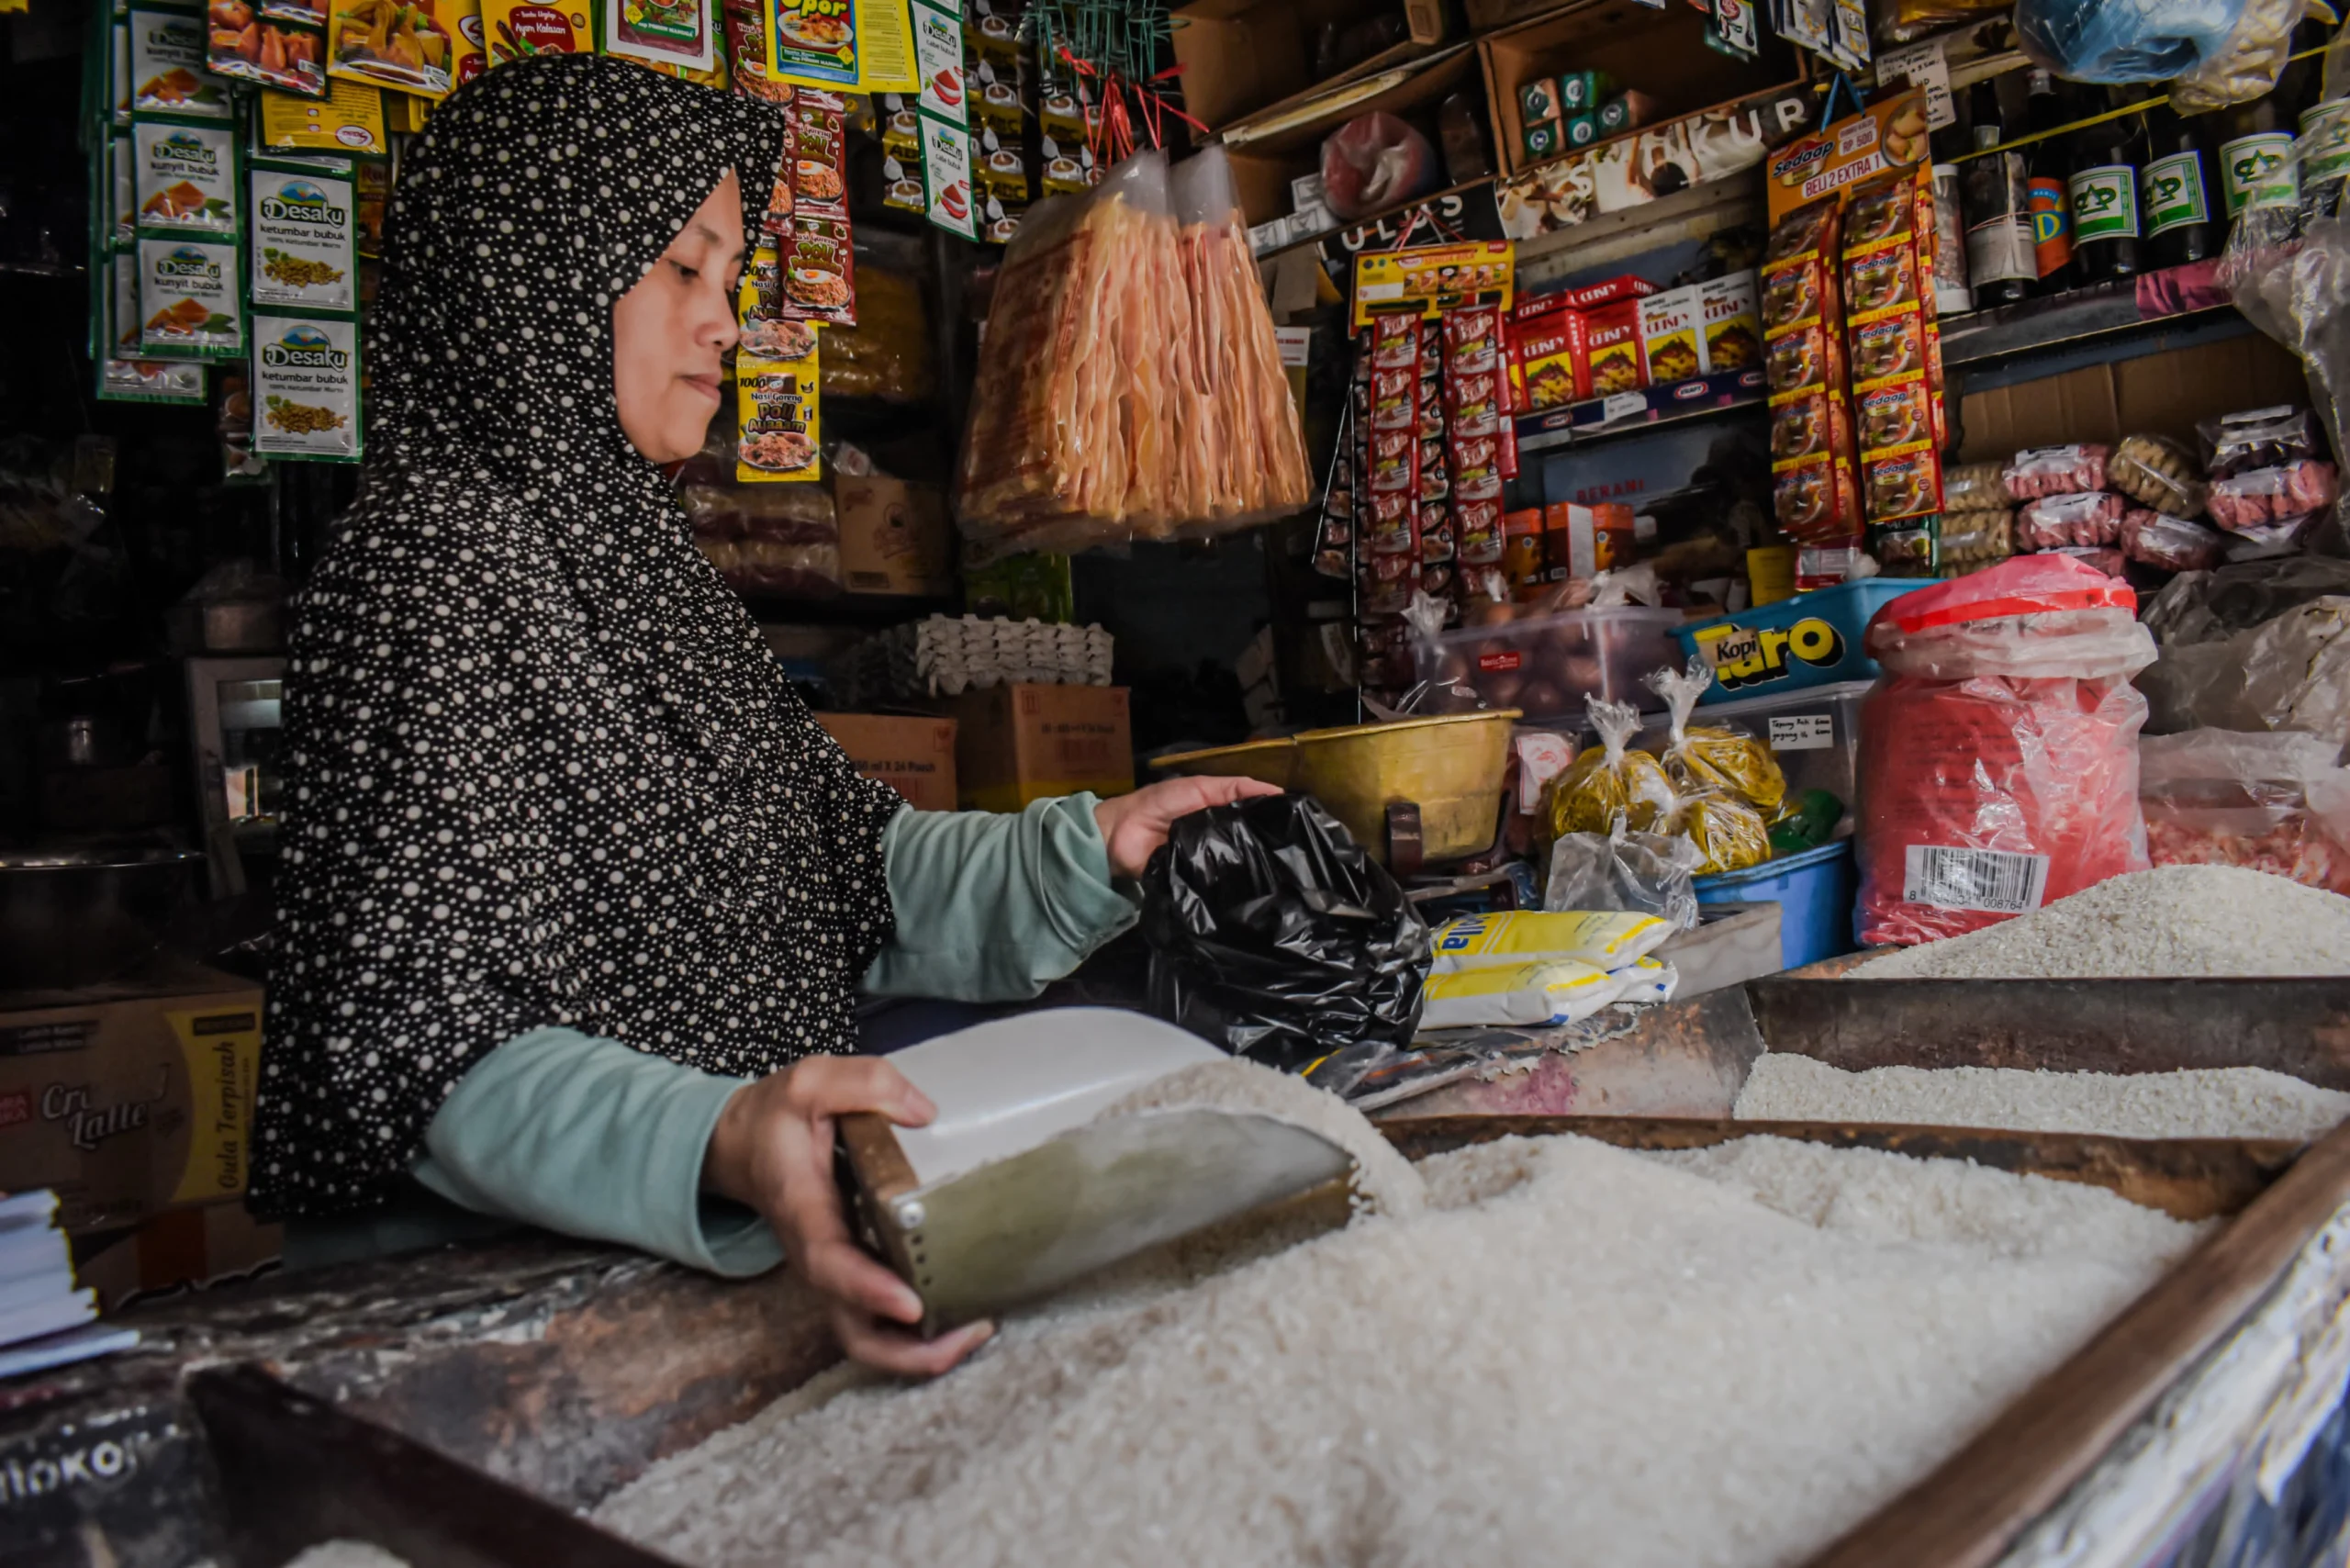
539	766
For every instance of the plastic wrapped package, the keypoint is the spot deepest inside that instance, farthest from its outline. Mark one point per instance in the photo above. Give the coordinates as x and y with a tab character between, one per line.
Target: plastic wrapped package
2092	518
2278	803
1904	20
886	353
2055	471
1998	750
1375	160
2172	543
1976	487
2258	437
776	540
1730	834
1608	780
2263	542
1646	873
1973	539
2262	644
1275	936
2246	64
2111	561
2125	40
2259	497
2157	472
1719	758
1129	376
1240	450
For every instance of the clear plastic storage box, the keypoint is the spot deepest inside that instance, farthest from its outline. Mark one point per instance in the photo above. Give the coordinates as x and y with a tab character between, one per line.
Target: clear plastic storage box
1814	732
1546	665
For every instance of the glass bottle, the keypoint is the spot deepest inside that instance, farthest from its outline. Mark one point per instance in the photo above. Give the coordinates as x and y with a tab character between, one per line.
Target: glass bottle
2104	187
2175	193
2002	265
2046	183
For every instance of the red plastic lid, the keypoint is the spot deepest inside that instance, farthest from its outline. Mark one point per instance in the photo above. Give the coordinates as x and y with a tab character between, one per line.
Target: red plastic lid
2021	584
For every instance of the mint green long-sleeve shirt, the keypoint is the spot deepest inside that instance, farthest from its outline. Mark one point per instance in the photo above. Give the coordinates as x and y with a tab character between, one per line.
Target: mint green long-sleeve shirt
594	1138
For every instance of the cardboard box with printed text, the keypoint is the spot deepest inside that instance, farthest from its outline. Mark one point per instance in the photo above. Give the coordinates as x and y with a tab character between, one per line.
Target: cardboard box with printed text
914	756
1015	744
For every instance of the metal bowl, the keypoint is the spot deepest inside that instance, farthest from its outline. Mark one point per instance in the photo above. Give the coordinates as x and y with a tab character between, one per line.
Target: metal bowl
1451	767
73	917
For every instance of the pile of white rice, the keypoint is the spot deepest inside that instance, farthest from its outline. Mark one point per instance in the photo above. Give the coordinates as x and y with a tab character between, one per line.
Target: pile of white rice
2174	920
2235	1101
1574	1354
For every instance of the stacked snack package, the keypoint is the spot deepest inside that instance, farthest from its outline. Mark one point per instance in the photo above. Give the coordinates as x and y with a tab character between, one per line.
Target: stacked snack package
1129	376
1977	521
2270	478
1999	747
2061	503
1726	783
2164	484
1895	351
1814	489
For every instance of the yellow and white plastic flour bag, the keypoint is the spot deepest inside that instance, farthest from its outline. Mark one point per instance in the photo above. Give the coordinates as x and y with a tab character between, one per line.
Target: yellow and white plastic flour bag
1522	994
1605	939
1650	980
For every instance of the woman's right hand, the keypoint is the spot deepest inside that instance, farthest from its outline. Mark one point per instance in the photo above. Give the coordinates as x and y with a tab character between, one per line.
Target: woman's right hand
773	1150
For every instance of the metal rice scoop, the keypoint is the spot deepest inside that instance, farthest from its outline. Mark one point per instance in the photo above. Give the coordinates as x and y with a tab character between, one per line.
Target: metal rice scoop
1015	1190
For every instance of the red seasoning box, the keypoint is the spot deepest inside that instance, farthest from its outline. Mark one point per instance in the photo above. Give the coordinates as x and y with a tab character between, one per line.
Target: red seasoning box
1551	362
1612	336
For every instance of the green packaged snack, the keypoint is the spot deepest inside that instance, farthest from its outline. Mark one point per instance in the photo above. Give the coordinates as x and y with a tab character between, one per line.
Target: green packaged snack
167	67
186	178
306	388
190	303
304	224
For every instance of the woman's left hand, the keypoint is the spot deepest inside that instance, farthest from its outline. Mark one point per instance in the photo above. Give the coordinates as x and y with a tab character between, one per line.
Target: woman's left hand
1133	826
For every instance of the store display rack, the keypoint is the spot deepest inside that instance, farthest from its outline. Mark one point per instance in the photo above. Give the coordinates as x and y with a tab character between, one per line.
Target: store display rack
2147	305
1634	413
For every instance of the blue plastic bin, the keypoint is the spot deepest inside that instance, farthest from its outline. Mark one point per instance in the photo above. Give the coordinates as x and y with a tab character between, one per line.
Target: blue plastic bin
1814	892
1809	639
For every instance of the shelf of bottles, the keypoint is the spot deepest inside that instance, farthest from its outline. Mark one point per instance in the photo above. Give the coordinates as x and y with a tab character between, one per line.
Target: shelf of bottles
2083	194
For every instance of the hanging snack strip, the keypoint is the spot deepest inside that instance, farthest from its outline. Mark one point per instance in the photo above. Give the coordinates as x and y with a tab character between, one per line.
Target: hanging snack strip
1813	488
1394	452
1888	241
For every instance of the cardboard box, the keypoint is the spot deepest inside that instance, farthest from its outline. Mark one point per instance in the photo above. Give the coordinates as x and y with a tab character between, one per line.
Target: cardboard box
1670	336
1014	744
2158	394
914	756
1733	323
1552	362
1612	334
213	1244
895	537
1660	49
1240	56
132	1097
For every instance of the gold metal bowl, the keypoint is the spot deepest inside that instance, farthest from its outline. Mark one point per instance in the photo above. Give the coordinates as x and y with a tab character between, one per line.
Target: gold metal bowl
1451	767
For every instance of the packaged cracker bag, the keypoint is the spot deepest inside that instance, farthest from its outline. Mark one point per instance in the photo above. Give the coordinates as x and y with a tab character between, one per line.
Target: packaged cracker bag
1729	833
1714	758
1606	779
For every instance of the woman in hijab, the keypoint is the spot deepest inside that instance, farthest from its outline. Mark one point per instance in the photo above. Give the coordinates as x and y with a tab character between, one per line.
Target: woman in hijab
576	897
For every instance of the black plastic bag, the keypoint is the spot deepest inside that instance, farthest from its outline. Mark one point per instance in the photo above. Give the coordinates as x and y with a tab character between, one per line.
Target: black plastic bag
1275	936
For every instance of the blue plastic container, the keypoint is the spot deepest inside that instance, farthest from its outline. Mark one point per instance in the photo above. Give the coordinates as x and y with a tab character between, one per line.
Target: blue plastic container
1809	639
1814	892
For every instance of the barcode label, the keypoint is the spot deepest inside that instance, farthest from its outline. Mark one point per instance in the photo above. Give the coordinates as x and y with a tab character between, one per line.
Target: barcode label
1803	732
1993	881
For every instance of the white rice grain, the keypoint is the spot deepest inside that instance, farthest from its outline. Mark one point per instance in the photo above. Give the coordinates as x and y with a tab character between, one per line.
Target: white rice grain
1383	1180
347	1554
2235	1102
1590	1356
2174	920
